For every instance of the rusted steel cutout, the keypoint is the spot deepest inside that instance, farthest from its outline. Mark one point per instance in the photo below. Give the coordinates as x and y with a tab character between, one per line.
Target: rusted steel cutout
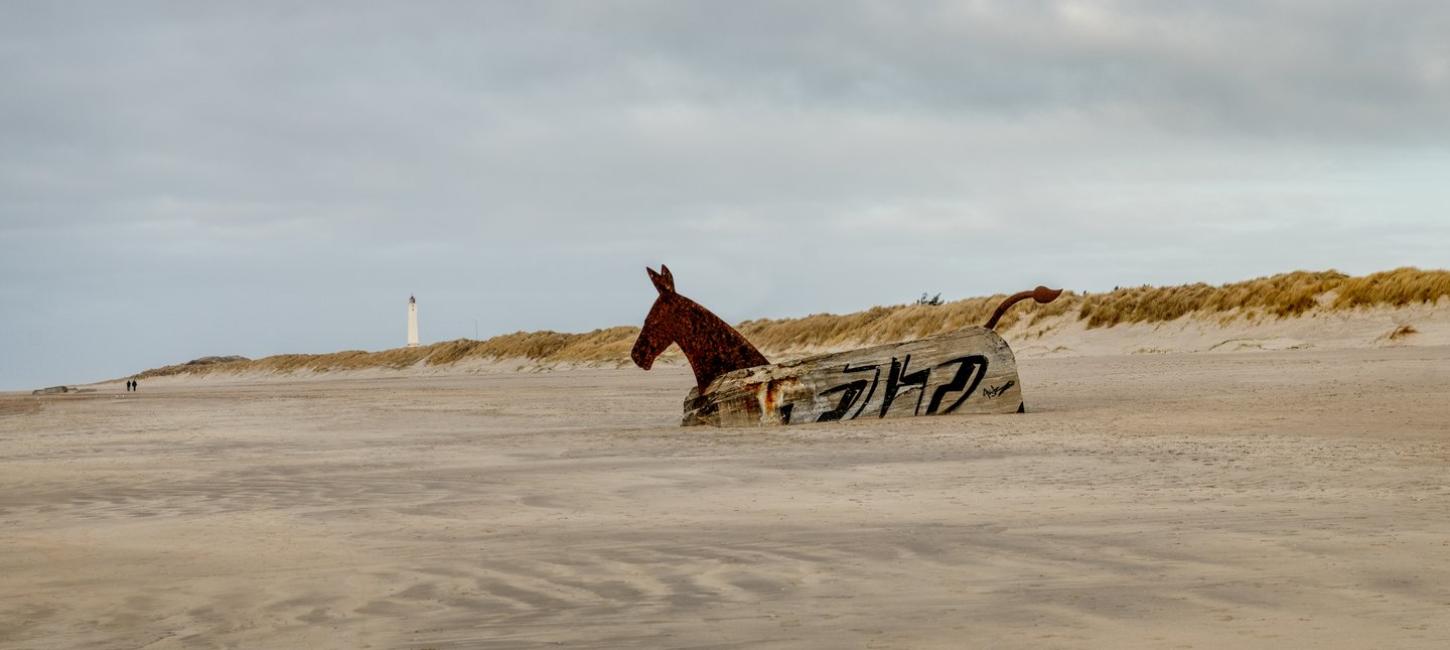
971	370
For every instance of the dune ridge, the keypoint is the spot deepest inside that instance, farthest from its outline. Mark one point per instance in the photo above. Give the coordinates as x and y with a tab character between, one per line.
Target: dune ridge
1277	312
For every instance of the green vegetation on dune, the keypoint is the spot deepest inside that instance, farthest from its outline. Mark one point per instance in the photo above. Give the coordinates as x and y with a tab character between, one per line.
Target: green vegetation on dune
1281	296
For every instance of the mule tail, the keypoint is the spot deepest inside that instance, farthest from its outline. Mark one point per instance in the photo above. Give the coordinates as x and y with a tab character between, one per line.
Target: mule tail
1041	294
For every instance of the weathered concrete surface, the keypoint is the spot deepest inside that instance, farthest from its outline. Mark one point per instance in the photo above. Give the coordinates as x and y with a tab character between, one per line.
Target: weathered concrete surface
968	371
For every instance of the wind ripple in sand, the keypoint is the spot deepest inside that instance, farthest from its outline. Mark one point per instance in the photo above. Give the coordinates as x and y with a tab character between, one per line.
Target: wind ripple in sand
1255	500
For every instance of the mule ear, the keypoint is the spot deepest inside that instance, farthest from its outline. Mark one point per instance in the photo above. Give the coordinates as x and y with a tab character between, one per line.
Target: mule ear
663	282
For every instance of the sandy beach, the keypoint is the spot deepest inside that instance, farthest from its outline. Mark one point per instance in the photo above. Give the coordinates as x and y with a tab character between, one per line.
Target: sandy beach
389	275
1247	500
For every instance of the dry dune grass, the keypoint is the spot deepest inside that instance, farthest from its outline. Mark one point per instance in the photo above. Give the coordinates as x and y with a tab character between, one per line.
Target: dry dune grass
1283	295
1402	332
891	324
1286	294
604	345
1399	287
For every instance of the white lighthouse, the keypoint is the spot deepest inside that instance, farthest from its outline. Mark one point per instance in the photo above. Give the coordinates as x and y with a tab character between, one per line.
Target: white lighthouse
412	322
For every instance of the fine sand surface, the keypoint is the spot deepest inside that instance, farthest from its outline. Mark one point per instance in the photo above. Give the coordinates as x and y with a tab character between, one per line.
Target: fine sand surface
1265	499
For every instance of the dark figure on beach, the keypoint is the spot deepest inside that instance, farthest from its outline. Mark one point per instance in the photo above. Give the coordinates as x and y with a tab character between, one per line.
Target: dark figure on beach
135	385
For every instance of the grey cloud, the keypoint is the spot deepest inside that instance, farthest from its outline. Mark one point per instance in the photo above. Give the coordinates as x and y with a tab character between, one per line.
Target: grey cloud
182	179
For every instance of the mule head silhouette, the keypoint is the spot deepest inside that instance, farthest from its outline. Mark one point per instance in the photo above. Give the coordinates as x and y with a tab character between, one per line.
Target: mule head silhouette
659	329
710	344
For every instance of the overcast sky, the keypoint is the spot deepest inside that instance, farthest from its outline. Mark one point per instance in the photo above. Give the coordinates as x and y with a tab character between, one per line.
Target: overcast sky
185	179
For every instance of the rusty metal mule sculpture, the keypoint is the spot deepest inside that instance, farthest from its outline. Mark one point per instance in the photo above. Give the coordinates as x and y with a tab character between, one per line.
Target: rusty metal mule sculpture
711	345
971	370
1041	294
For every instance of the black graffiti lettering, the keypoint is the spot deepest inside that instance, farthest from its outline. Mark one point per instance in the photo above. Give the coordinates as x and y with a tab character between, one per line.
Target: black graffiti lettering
893	376
973	367
849	392
970	372
899	381
997	391
875	378
918	378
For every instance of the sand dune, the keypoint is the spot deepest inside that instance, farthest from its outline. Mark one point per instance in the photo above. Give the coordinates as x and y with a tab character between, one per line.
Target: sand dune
1296	310
1265	499
1058	336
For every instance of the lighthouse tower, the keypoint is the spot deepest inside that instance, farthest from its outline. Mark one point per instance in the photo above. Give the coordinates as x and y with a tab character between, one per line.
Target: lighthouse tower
412	322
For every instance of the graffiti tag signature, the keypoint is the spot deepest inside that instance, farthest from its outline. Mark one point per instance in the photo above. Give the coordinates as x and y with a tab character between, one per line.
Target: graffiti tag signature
996	391
964	378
